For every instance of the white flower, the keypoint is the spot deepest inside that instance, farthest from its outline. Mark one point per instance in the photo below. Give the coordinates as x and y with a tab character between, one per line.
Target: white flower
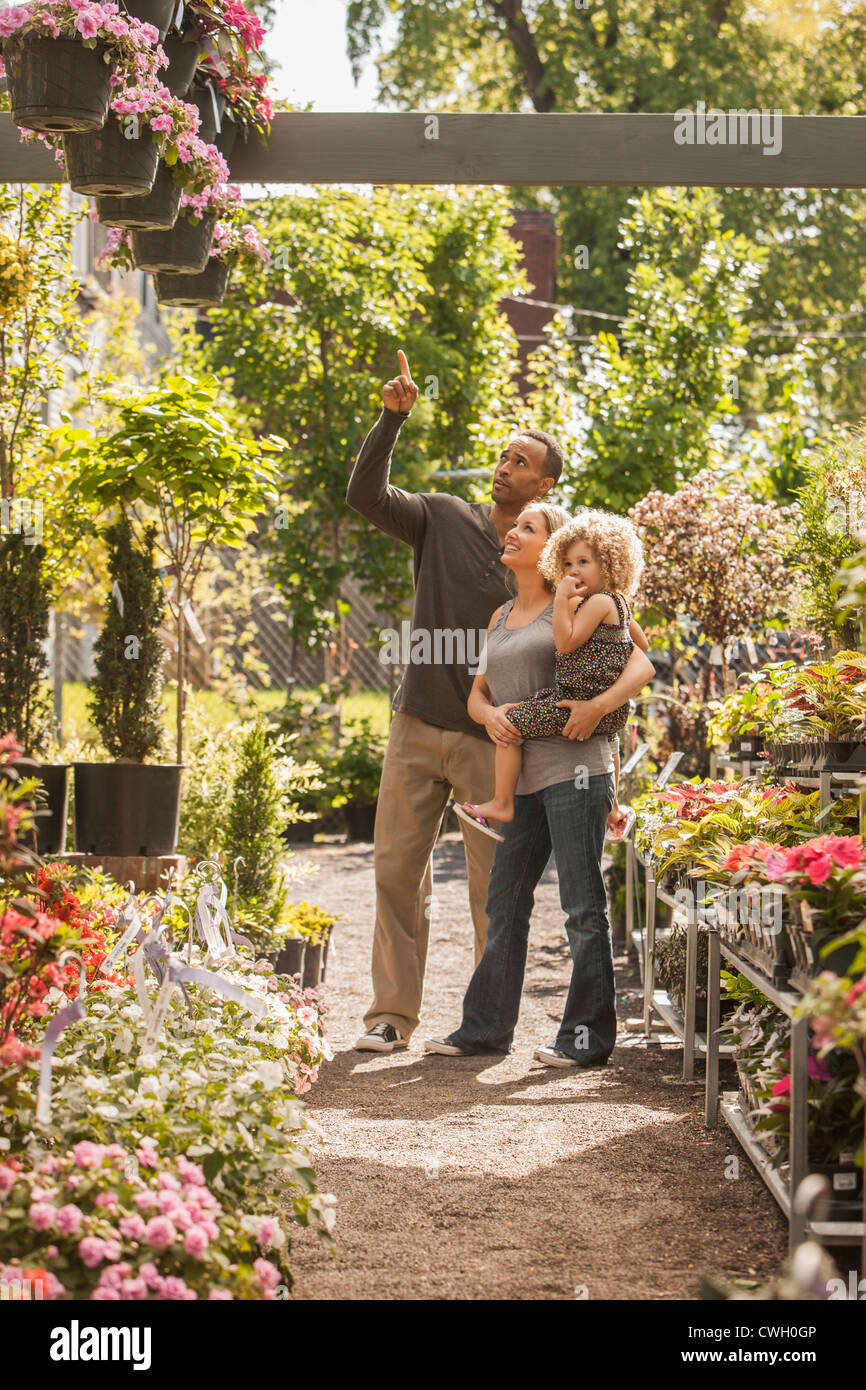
109	1112
148	1060
148	1086
123	1041
100	1084
271	1074
192	1078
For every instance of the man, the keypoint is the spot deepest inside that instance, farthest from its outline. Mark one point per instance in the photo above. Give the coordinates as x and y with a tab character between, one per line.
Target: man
434	748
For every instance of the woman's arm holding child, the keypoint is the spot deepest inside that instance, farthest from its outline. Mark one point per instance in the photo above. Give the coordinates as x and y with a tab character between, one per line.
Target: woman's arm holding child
482	709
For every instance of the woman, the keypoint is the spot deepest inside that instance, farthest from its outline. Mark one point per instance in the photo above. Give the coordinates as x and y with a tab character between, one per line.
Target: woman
565	794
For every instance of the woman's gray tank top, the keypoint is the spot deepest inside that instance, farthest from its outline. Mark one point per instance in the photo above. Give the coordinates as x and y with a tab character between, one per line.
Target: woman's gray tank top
520	661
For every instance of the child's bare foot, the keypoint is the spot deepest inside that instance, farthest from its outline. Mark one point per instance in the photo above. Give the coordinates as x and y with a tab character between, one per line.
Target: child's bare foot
495	810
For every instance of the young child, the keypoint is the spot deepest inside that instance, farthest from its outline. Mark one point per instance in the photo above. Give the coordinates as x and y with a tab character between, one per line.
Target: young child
595	562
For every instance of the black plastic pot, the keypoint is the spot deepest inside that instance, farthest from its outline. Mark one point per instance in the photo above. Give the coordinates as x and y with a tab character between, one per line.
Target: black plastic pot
360	818
104	162
157	209
312	975
127	808
846	1189
182	51
226	137
56	84
201	97
303	832
290	959
50	827
194	291
845	756
750	745
185	247
155	12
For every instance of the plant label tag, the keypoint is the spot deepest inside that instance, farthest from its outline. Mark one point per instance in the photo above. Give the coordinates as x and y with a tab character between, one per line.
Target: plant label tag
634	758
192	622
716	655
670	766
125	940
751	651
118	597
160	1009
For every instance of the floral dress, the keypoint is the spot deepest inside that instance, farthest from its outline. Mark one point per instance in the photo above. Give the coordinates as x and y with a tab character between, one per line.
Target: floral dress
581	675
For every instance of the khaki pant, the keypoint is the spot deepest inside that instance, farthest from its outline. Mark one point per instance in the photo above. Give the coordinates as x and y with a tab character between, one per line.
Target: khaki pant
422	765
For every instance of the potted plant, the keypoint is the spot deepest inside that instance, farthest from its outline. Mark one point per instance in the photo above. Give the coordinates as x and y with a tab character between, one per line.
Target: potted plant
232	243
182	49
185	247
313	925
357	770
179	453
253	830
24	703
129	806
186	165
62	59
231	80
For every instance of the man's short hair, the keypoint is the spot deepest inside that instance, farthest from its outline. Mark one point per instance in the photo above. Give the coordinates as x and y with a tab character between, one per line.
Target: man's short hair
554	459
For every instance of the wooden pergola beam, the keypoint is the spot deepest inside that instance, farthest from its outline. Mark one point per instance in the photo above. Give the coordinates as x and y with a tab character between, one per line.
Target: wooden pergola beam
417	148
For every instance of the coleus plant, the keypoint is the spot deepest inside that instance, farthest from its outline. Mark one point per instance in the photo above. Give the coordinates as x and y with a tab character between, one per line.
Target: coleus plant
828	699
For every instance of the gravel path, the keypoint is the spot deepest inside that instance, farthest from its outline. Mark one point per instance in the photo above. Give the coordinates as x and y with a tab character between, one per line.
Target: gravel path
476	1178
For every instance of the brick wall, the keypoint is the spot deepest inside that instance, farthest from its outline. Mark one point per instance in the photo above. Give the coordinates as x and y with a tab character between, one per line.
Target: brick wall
534	231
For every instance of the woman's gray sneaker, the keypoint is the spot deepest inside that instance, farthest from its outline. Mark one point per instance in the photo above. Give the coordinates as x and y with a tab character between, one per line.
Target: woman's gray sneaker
382	1037
444	1048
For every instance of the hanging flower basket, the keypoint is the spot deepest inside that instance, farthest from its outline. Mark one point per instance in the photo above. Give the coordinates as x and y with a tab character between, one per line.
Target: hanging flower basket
56	84
207	289
225	137
211	105
182	51
104	162
184	248
156	12
157	209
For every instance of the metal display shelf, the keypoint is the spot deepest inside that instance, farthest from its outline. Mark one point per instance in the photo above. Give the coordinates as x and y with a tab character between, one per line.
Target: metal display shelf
785	997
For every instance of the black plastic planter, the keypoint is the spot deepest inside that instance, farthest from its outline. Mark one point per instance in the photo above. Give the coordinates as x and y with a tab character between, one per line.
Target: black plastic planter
360	818
185	247
104	162
211	104
226	137
50	827
155	12
156	210
56	84
845	757
127	808
290	959
194	291
312	975
182	51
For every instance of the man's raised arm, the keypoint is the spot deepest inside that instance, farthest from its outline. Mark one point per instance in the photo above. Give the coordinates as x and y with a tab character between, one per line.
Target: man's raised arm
398	513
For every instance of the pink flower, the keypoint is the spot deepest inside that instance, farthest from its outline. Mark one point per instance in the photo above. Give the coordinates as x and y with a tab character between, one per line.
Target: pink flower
88	1155
196	1242
175	1288
69	1219
151	1276
818	1069
42	1215
160	1232
131	1227
146	1154
105	1199
854	992
91	1250
112	1249
133	1289
102	1294
847	850
167	1201
51	1252
267	1274
267	1230
145	1200
8	1178
219	1294
168	1180
820	869
190	1172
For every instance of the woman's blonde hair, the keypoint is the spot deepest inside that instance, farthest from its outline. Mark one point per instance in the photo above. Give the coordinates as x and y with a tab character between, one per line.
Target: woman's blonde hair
614	543
554	518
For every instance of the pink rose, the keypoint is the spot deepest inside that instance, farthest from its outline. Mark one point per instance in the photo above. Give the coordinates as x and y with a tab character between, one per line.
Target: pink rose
175	1288
102	1294
133	1289
88	1155
112	1249
196	1242
167	1201
151	1275
69	1219
8	1178
42	1215
105	1199
168	1180
131	1227
91	1250
145	1200
160	1232
267	1230
267	1274
221	1294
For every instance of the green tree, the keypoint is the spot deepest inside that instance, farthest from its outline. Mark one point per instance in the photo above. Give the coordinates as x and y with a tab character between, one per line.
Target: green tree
306	342
125	701
623	55
180	457
833	530
655	399
24	603
254	823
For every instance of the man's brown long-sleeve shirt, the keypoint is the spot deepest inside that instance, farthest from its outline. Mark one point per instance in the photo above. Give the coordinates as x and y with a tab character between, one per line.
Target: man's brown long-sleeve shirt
459	579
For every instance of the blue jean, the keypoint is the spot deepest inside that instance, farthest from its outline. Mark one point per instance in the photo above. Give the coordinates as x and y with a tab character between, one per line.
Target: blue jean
570	818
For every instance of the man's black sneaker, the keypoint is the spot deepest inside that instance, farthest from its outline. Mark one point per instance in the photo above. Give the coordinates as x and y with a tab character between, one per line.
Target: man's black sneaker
382	1037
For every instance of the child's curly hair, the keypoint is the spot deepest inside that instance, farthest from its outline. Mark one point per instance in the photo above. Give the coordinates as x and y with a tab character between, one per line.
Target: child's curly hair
614	542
